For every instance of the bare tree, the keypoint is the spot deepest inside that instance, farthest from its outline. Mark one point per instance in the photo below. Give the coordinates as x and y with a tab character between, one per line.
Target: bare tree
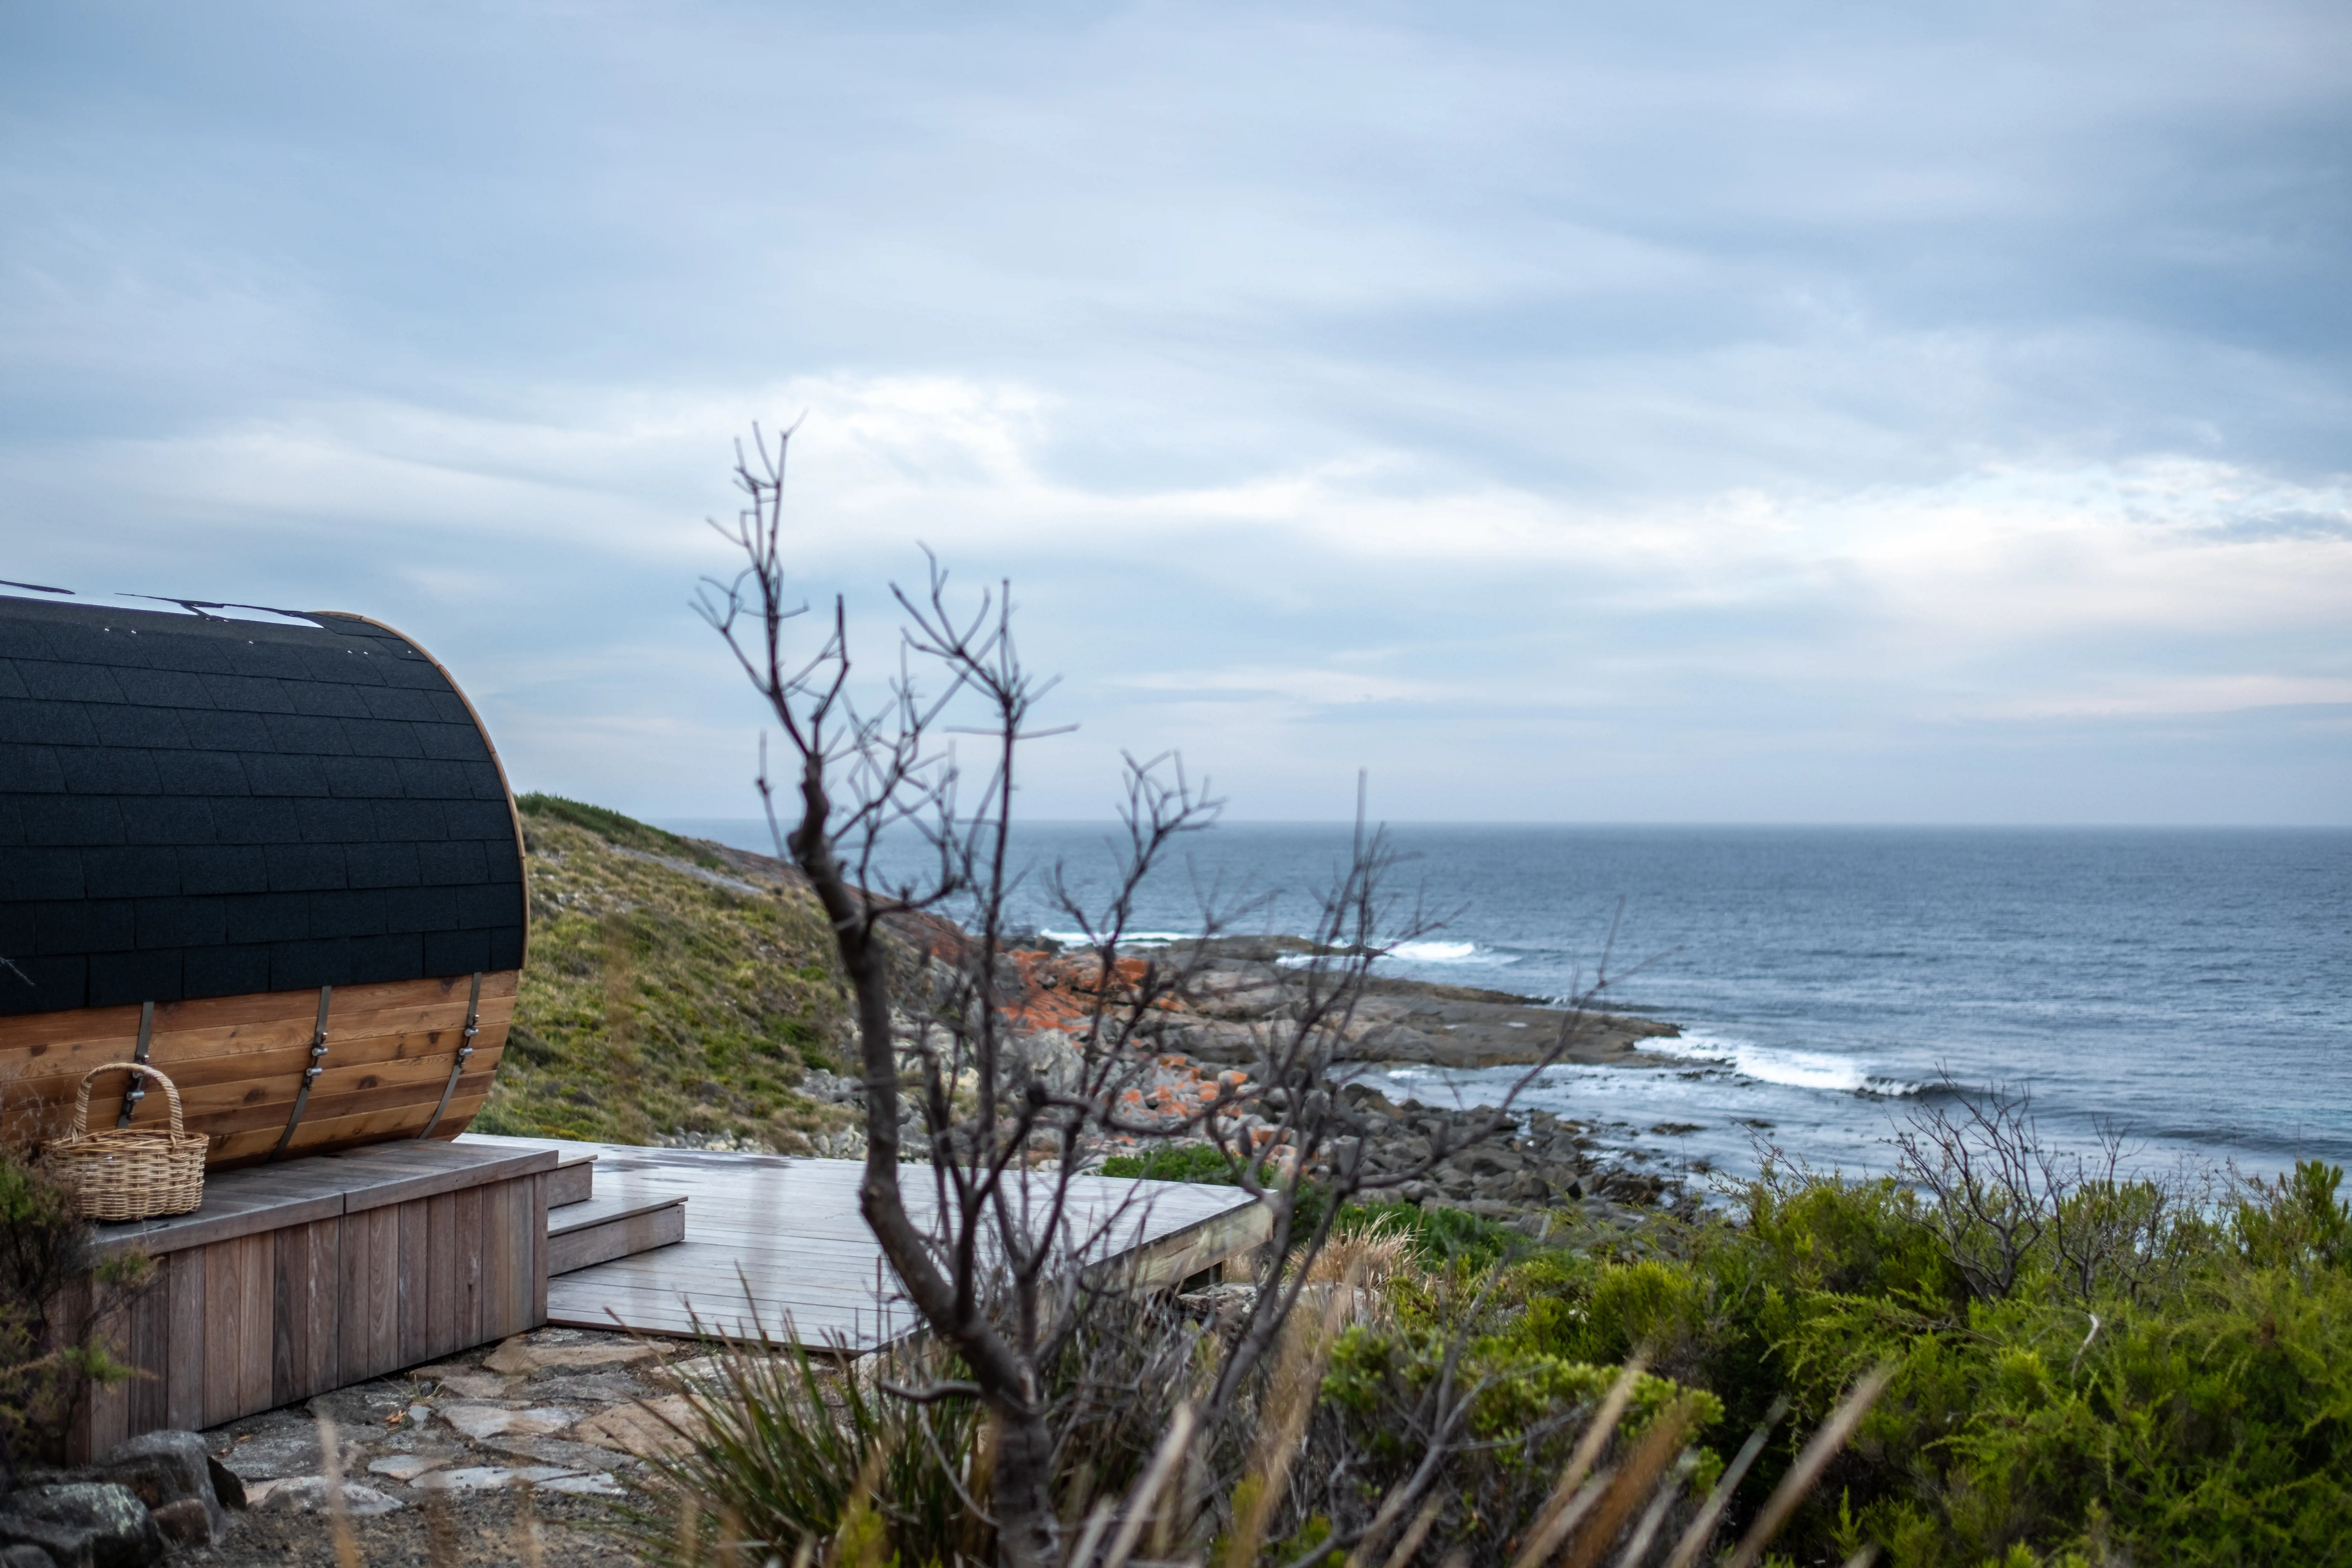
994	1258
2005	1201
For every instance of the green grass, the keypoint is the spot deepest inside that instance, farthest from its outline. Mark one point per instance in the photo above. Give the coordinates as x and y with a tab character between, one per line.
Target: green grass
656	1002
614	828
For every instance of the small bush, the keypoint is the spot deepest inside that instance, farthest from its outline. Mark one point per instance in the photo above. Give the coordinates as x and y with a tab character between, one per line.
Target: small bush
47	1359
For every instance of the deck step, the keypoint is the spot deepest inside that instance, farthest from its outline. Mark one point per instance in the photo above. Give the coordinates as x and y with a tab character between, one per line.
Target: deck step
598	1230
573	1181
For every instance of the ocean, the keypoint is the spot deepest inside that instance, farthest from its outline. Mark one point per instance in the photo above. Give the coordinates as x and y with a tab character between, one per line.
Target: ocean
2190	989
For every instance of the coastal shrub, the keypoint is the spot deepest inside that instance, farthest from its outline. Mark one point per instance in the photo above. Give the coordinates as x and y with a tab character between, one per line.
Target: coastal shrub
2187	1399
54	1304
1436	1236
1439	1237
1527	1410
789	1450
1201	1162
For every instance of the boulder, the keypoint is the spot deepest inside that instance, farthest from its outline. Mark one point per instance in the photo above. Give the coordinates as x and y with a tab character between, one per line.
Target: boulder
187	1522
227	1486
83	1524
165	1468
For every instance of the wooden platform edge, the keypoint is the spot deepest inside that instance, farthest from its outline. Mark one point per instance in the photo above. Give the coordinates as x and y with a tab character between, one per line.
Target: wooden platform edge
317	1187
1174	1259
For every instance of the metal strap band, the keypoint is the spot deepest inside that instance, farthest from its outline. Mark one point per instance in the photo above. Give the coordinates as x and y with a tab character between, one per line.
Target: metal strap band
464	1054
309	1074
138	1089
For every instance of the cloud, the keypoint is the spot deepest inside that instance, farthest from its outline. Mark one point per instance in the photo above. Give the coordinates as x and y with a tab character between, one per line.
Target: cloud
1470	394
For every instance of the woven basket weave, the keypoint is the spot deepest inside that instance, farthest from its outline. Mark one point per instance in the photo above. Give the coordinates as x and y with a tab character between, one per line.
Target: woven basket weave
129	1173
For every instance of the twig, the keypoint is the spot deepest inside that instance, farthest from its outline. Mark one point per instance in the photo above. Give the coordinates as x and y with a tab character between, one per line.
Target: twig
1810	1464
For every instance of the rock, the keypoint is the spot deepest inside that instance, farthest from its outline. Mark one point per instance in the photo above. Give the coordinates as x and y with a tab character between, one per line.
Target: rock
517	1358
489	1477
405	1467
481	1421
25	1557
645	1430
585	1486
83	1524
1222	1307
471	1385
187	1522
226	1488
309	1494
559	1452
275	1445
165	1468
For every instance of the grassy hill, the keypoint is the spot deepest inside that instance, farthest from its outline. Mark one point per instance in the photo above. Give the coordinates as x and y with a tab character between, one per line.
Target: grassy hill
670	990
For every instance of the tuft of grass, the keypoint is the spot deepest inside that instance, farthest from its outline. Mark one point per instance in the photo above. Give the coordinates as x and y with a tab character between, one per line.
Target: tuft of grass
657	1003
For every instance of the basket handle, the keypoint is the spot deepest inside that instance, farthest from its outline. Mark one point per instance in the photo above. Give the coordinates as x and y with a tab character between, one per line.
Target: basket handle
81	1097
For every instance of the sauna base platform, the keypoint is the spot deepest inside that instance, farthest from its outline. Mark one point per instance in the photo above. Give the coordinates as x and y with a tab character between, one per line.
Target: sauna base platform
297	1278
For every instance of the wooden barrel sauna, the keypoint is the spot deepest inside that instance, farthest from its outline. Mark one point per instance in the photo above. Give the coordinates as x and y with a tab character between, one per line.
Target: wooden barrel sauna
276	858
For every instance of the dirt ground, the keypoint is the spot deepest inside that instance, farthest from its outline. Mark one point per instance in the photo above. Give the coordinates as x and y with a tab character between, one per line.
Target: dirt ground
518	1453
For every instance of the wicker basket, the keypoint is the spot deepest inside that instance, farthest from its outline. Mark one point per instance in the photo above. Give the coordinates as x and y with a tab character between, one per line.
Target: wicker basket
129	1173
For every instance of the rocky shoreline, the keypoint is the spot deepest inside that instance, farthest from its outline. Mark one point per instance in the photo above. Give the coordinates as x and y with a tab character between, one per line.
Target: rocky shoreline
1237	987
1537	1164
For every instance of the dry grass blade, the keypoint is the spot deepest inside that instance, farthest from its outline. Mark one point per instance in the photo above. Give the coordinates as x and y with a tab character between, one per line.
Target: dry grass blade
1372	1254
527	1530
1164	1460
1415	1534
1298	1381
1383	1522
1653	1518
440	1534
1639	1477
1810	1464
1554	1522
1090	1535
1702	1528
331	1450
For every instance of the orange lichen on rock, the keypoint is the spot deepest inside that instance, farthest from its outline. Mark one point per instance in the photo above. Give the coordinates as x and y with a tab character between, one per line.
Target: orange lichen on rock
1063	993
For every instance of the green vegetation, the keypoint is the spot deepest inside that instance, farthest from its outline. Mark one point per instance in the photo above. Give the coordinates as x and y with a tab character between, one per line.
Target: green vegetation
614	828
2188	1401
2087	1370
658	1002
50	1299
2102	1374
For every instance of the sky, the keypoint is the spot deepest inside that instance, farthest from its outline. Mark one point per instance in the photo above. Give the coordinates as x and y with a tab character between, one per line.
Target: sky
1770	412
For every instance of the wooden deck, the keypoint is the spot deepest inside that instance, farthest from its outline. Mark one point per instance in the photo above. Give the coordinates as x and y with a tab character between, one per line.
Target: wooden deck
296	1278
781	1241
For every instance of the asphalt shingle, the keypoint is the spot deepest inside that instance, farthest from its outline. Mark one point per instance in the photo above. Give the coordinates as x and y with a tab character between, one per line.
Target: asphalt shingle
196	807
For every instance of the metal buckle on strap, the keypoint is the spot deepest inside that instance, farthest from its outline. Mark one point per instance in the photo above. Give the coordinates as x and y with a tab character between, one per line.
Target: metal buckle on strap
464	1054
138	1089
309	1074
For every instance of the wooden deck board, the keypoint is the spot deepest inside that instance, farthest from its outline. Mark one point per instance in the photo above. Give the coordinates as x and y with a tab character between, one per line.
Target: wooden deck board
789	1230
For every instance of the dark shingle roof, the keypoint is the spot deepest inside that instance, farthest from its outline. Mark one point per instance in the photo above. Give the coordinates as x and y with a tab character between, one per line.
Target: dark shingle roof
196	807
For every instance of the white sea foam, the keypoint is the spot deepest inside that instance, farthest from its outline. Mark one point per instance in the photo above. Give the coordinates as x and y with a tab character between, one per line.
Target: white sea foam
1781	1065
1436	951
1126	939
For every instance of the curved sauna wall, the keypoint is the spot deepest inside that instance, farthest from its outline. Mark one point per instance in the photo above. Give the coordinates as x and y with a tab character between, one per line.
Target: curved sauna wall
279	861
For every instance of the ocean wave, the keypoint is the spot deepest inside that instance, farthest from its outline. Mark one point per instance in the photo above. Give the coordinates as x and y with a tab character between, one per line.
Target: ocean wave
1126	939
1433	952
1782	1065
